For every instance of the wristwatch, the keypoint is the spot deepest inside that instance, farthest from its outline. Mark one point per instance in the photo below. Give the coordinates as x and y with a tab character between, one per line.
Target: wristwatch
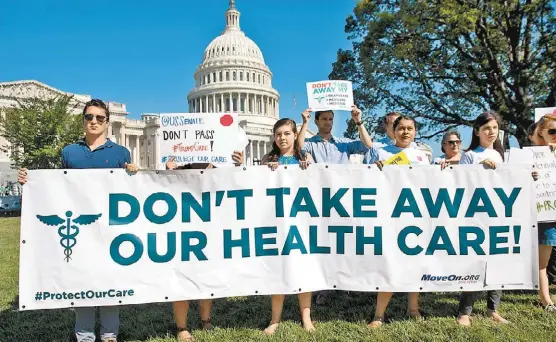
359	123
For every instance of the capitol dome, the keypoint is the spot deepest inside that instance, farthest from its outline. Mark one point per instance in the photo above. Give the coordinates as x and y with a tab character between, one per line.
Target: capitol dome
233	77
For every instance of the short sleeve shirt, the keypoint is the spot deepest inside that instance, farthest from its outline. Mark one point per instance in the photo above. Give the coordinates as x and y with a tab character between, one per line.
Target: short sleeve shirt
107	156
334	151
480	154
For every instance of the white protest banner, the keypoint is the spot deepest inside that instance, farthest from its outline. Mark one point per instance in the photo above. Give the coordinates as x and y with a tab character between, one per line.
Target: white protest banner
544	162
330	95
540	112
198	137
103	237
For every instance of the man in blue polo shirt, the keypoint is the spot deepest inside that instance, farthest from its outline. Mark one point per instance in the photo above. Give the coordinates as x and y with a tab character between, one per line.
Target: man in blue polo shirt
95	151
326	148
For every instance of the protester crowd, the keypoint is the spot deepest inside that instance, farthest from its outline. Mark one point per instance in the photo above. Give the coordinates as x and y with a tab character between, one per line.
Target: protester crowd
291	147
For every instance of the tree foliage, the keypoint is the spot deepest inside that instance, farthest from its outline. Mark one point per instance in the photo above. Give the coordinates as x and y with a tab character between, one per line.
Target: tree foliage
37	129
445	61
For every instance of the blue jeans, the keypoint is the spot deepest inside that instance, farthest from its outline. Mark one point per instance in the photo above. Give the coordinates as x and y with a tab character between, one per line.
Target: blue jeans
85	323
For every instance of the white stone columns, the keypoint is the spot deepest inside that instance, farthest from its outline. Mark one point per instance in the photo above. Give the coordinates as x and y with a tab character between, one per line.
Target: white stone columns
251	152
136	151
222	106
264	147
214	108
206	104
109	131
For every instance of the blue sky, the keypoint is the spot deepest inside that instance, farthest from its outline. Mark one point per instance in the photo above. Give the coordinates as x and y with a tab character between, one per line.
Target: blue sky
144	53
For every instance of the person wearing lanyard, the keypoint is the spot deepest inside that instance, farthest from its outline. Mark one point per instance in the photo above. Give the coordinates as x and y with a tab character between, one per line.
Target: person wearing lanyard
404	131
95	151
286	151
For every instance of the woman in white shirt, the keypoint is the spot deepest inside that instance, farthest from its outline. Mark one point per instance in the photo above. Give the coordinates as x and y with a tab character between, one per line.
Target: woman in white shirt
404	131
485	148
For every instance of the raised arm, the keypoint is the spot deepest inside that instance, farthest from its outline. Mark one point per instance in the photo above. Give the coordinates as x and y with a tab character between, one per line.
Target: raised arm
363	134
306	115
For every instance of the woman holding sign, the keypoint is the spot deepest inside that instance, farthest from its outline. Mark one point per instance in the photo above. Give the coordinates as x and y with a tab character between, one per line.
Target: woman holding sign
545	135
181	308
404	151
485	148
286	151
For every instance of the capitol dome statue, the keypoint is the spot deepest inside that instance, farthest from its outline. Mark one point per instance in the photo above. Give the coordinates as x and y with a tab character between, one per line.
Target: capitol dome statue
233	77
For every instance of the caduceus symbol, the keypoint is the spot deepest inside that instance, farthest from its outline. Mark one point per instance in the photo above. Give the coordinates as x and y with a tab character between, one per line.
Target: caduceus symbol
319	98
67	230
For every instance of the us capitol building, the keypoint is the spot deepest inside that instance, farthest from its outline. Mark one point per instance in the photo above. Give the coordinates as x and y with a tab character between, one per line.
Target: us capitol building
232	77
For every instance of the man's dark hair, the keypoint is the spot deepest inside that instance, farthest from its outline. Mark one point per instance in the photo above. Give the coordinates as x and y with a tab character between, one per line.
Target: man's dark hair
99	104
318	114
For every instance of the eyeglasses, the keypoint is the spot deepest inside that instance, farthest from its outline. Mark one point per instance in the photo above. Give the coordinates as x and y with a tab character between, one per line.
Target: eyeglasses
100	118
454	142
552	131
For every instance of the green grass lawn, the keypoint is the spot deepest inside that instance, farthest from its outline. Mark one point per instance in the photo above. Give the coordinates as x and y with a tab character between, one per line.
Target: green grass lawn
243	318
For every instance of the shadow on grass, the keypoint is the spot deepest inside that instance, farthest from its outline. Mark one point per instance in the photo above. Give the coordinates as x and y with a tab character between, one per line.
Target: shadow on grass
142	322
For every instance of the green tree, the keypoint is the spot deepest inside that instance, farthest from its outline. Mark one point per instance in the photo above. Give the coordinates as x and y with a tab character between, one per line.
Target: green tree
445	61
37	130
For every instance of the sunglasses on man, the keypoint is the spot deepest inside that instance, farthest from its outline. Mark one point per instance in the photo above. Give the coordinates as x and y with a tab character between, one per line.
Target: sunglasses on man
90	117
454	142
552	131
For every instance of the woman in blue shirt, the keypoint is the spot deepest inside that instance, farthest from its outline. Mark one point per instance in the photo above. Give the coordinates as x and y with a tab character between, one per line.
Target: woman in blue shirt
285	151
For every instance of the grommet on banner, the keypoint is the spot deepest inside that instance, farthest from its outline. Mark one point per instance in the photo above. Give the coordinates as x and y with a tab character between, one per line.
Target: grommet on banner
23	306
71	303
120	301
368	167
534	226
377	288
244	168
285	167
451	167
23	241
157	172
334	286
212	294
111	171
461	288
421	289
411	167
256	292
326	166
65	172
536	286
299	290
166	298
502	286
201	172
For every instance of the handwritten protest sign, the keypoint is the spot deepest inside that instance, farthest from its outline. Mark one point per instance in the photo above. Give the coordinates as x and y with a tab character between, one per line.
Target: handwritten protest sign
544	162
398	159
330	95
540	112
198	137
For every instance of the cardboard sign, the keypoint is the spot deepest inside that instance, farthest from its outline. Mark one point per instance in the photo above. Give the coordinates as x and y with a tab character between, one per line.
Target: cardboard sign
330	95
198	138
544	162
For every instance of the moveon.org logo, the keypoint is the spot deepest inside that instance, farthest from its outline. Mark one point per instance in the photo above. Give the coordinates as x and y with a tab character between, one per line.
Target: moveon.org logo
452	277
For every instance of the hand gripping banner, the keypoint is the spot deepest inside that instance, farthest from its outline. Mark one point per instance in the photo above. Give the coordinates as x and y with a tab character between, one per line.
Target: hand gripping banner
105	237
